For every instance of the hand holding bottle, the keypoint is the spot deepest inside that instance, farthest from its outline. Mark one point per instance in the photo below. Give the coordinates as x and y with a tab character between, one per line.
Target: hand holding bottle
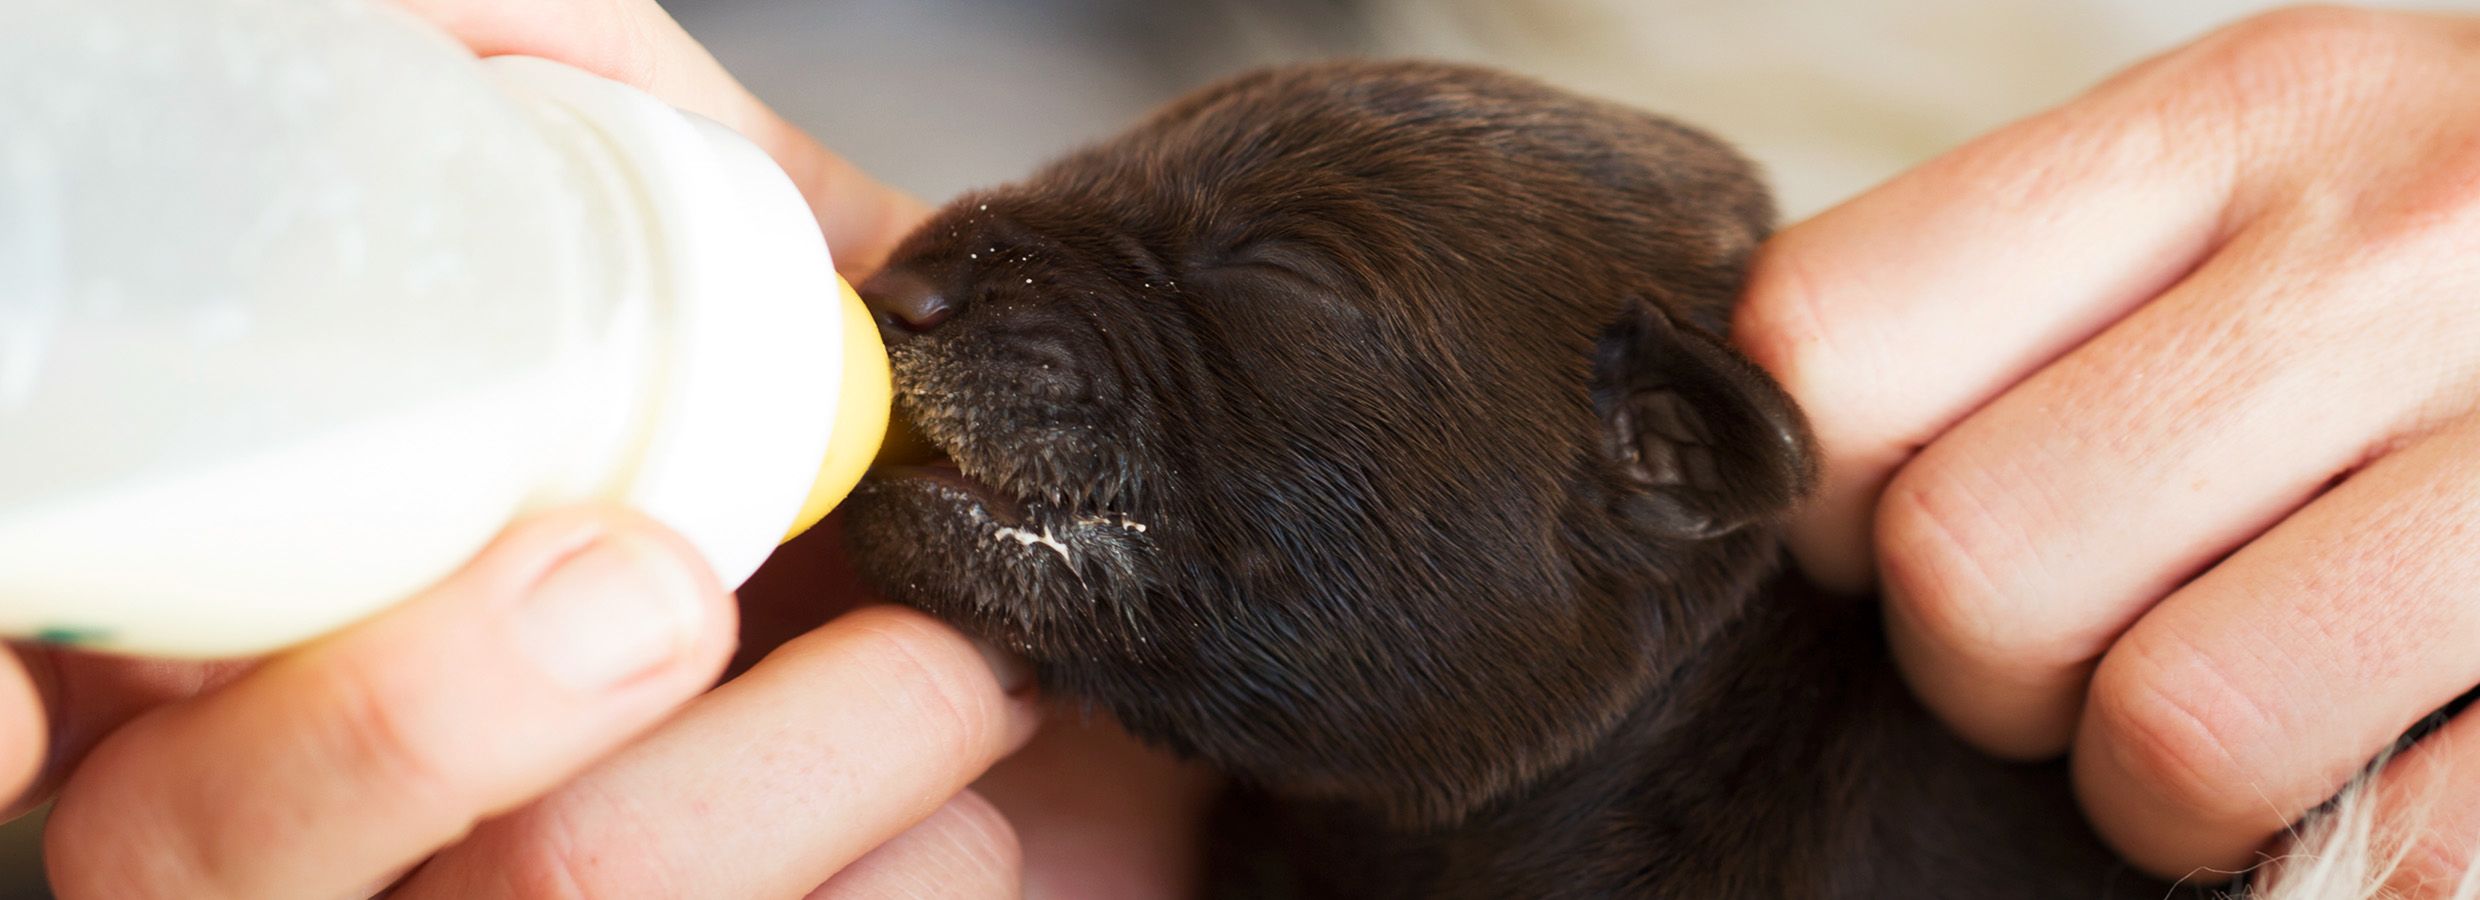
537	696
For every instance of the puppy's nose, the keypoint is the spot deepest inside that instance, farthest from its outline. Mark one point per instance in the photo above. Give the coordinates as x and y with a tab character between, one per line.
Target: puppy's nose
905	301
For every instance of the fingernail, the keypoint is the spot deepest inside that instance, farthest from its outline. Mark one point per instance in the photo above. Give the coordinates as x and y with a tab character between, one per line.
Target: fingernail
1012	671
620	608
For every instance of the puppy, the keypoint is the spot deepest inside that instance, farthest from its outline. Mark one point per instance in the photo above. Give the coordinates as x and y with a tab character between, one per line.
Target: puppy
1367	431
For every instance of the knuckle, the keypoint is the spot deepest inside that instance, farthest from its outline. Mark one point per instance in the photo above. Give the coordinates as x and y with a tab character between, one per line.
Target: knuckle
987	854
971	847
2318	37
2058	158
2294	95
1934	542
2185	730
935	678
2415	226
2295	61
562	859
375	737
551	870
2290	29
548	872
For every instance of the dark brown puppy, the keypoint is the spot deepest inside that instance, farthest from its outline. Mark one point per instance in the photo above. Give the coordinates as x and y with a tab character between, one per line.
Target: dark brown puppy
1365	430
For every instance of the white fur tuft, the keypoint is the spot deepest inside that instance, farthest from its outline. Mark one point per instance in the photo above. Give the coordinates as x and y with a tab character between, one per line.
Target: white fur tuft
2344	853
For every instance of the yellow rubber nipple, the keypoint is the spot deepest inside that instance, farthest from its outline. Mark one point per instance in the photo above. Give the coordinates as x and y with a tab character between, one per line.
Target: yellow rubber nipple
860	413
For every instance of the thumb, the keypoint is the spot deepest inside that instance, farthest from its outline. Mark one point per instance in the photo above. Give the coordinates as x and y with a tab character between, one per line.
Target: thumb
352	758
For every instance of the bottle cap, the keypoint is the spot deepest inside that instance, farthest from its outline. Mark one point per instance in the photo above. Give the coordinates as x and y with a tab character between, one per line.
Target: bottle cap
861	416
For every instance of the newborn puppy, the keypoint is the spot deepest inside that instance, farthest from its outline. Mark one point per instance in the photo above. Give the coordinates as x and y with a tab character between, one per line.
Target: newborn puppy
1367	431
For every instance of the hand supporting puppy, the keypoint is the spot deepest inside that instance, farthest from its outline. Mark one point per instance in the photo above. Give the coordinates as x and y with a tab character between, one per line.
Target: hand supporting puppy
2155	416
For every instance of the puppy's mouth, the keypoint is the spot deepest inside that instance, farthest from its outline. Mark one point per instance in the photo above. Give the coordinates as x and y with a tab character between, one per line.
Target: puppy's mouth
1007	515
943	474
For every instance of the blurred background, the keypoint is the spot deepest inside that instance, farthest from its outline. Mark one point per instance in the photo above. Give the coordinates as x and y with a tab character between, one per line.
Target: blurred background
1832	96
936	96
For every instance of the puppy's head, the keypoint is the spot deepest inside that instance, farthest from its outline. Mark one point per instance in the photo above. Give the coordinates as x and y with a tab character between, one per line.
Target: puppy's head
1360	428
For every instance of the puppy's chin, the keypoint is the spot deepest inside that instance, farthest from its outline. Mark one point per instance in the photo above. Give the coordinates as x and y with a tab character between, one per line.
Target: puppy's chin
1026	575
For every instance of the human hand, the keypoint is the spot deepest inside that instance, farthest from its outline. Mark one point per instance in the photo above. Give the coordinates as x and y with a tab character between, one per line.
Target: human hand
636	43
2156	415
843	751
835	765
332	769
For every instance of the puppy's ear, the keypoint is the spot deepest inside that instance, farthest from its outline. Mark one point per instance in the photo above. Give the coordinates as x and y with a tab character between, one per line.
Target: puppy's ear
1706	442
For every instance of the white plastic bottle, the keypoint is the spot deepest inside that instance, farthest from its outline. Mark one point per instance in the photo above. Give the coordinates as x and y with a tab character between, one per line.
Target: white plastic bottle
300	304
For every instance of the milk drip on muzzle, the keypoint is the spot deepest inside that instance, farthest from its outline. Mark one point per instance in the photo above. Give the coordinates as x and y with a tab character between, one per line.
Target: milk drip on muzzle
301	304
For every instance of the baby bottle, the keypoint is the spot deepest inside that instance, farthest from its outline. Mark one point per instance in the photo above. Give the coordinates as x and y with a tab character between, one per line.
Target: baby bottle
300	304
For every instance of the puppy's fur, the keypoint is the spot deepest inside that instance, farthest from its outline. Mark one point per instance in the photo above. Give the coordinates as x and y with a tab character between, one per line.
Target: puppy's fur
1367	431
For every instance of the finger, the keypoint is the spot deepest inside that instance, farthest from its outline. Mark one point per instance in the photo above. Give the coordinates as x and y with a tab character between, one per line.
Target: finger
2016	548
965	851
1101	816
863	219
2254	693
634	42
2428	812
769	784
637	43
88	695
355	756
1893	316
2032	532
24	735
